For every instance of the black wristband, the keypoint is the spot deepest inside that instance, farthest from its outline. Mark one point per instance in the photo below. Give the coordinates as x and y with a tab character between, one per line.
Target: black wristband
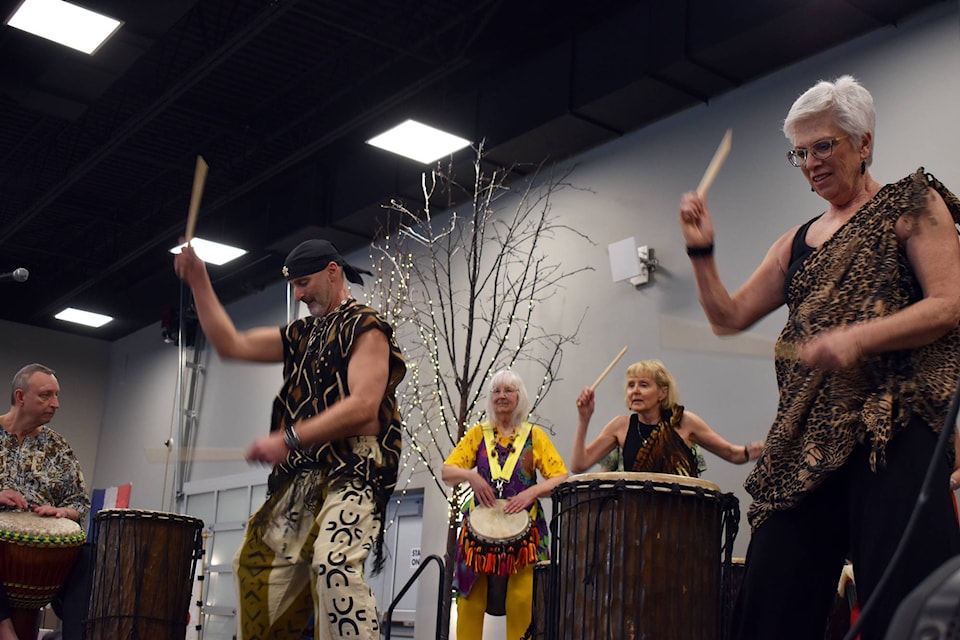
291	439
700	252
746	453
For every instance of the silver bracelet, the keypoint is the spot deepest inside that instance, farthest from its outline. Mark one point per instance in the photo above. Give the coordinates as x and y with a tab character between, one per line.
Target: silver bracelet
291	439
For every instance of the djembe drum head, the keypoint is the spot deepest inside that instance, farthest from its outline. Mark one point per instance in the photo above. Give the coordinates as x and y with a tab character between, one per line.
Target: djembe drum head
492	525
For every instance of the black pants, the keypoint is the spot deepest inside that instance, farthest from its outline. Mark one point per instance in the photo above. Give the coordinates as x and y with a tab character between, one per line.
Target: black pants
795	557
72	603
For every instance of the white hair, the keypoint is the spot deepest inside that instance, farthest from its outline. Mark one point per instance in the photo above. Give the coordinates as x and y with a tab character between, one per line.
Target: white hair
506	376
845	99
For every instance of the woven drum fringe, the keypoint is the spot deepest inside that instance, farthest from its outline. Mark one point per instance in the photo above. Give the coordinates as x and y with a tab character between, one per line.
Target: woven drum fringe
500	558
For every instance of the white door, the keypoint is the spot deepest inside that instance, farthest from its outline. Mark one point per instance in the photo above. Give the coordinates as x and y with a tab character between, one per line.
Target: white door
402	551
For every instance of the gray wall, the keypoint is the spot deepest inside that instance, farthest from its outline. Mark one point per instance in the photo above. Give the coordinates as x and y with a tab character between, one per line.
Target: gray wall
634	187
81	365
142	391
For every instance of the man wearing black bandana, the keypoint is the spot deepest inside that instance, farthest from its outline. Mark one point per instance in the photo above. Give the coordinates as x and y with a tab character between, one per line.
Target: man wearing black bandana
334	444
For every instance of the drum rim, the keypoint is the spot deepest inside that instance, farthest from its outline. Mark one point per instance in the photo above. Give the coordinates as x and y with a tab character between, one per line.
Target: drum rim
144	514
638	477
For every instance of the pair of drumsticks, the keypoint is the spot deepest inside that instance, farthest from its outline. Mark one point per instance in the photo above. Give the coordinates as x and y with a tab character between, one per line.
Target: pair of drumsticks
708	176
200	177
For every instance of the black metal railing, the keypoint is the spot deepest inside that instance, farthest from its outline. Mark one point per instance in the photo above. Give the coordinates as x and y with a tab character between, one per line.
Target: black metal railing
388	619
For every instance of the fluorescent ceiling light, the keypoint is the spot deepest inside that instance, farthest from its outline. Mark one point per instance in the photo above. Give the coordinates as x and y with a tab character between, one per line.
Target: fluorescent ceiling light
415	140
212	252
79	316
65	23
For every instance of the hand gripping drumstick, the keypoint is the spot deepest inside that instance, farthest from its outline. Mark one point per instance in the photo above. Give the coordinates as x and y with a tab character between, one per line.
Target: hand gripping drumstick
714	167
199	178
606	371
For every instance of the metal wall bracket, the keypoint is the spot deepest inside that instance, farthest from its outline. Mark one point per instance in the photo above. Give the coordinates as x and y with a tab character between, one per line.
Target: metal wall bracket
648	264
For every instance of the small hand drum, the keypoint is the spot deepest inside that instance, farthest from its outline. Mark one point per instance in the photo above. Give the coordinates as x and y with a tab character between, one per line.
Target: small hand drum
36	555
498	543
542	600
491	525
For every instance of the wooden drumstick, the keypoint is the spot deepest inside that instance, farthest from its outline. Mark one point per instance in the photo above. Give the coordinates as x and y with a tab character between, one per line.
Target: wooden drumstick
199	178
606	371
714	167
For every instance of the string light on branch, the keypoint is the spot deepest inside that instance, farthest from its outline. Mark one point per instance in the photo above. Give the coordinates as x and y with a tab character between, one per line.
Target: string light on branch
462	290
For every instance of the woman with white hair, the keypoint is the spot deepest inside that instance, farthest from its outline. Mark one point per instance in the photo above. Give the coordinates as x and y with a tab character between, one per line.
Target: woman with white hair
866	366
500	459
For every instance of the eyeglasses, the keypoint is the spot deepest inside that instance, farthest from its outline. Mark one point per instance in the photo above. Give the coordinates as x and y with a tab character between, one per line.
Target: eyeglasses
820	150
504	390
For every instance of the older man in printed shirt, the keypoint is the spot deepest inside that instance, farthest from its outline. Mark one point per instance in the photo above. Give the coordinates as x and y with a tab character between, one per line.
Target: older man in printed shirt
38	469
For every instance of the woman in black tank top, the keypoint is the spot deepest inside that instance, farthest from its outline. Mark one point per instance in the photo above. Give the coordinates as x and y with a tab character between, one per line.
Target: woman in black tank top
866	366
658	436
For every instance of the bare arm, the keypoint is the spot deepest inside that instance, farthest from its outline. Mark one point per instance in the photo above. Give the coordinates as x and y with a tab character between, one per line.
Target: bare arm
525	498
762	292
482	491
585	456
699	432
552	471
355	415
257	345
934	253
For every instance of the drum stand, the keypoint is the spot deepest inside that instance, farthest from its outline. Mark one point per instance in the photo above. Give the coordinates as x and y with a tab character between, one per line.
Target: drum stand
200	578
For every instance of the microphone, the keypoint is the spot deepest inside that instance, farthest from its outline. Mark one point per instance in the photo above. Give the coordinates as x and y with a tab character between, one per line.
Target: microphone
20	275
